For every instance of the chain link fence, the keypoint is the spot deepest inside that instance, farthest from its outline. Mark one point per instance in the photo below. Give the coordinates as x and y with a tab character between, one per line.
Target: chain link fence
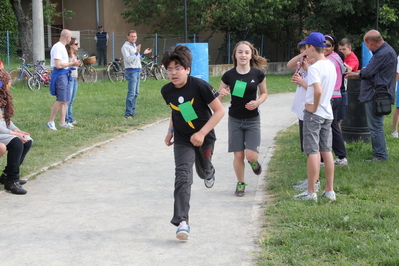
219	48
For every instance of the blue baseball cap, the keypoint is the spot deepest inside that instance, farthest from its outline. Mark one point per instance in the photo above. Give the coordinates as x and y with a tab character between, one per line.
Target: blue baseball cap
315	39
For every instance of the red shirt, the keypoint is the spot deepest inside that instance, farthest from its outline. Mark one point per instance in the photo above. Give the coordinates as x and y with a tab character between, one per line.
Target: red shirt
352	61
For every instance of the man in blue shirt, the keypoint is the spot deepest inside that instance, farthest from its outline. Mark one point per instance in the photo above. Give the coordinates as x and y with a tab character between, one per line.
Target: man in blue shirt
379	74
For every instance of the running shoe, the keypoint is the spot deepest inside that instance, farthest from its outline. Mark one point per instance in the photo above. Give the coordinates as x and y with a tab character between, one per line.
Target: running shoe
183	231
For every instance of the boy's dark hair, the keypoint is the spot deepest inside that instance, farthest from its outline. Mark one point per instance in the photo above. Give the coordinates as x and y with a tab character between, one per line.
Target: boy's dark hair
181	55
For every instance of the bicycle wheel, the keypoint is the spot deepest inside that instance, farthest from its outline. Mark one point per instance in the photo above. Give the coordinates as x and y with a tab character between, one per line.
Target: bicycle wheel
89	74
17	75
34	83
143	74
115	76
163	72
157	73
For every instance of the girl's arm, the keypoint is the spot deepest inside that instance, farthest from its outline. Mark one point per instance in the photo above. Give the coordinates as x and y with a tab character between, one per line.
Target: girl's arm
262	97
197	139
223	90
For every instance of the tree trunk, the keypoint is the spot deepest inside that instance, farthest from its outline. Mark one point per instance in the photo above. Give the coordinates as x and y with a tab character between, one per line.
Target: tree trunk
25	28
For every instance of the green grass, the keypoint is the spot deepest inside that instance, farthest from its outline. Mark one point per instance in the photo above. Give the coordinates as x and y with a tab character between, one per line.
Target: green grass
360	228
99	109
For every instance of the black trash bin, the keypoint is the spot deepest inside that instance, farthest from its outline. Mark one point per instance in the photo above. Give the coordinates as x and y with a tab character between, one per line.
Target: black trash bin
354	127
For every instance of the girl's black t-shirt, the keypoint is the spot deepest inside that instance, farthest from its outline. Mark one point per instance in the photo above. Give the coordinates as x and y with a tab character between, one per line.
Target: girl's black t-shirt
250	80
198	94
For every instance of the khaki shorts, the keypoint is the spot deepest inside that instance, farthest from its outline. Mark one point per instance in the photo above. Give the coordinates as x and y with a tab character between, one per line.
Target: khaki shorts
317	135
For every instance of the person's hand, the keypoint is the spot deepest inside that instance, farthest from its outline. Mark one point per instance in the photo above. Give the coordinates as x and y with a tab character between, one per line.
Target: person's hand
168	138
77	63
352	75
296	78
348	68
197	139
252	105
224	91
147	51
138	47
310	108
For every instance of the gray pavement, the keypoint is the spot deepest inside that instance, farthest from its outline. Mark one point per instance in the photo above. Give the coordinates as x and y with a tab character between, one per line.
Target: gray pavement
112	205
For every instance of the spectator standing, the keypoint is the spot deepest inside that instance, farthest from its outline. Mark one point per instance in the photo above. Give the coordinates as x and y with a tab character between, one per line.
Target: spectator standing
17	142
243	83
60	78
72	47
101	44
318	115
338	145
395	117
351	61
379	74
196	110
132	60
1	64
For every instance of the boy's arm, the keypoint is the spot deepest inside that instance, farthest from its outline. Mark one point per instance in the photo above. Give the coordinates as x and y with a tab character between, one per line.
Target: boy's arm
169	135
316	100
197	139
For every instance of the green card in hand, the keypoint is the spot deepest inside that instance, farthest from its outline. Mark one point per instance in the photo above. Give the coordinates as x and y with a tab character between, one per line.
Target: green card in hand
187	111
239	88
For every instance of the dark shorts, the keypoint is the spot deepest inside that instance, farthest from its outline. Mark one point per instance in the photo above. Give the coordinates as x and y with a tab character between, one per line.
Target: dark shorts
62	89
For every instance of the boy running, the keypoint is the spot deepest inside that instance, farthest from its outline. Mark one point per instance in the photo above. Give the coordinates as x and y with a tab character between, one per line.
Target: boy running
192	101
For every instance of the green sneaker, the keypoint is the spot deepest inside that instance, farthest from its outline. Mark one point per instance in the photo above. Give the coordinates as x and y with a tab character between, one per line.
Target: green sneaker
256	167
240	189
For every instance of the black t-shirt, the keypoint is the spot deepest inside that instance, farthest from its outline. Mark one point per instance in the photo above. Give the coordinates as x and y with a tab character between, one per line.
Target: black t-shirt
198	93
252	79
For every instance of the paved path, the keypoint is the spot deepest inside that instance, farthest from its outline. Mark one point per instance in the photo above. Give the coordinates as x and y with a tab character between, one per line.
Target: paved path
112	205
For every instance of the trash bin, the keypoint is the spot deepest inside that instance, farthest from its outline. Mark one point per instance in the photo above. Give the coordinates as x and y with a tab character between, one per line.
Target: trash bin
354	127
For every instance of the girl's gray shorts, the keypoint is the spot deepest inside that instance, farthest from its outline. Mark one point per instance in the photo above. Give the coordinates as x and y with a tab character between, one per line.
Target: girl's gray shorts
244	134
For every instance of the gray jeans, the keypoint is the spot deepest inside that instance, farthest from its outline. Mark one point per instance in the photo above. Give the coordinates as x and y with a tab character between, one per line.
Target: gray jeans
185	157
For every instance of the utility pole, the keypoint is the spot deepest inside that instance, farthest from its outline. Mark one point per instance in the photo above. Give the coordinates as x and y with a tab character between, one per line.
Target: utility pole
38	30
185	21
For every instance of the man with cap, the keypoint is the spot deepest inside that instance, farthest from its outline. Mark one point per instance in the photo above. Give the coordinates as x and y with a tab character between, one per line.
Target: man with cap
318	115
101	43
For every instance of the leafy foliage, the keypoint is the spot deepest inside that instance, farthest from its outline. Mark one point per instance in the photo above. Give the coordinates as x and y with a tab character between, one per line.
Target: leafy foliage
8	20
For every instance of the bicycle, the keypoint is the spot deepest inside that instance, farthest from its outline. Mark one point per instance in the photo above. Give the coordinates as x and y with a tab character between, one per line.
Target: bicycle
21	73
115	70
41	75
87	71
150	68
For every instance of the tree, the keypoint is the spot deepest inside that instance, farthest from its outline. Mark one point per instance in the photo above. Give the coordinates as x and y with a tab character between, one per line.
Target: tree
24	22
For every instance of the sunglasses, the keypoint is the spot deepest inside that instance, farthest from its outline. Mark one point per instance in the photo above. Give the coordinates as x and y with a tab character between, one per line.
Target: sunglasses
76	44
329	45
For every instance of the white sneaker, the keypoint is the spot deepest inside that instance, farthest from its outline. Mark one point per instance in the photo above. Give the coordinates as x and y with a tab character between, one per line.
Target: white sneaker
71	125
183	231
304	186
66	125
302	181
329	194
306	196
394	134
343	161
51	125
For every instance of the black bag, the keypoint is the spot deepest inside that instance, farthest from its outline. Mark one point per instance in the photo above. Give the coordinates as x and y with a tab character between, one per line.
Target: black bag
382	102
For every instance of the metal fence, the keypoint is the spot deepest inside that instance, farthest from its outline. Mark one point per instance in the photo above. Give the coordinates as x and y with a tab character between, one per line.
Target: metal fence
219	47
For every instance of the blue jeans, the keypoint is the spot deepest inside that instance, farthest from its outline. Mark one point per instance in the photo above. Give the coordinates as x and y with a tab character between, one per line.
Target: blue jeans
376	127
73	85
133	84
